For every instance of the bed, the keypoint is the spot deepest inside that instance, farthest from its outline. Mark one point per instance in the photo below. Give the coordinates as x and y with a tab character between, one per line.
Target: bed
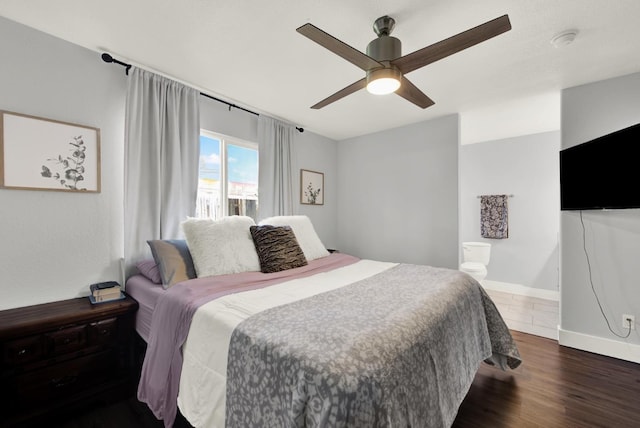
334	341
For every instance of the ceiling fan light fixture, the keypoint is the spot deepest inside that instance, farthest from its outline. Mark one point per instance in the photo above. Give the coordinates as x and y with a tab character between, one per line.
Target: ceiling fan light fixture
384	64
383	81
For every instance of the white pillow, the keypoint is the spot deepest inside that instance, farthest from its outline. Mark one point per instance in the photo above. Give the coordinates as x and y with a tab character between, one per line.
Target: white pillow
306	235
219	247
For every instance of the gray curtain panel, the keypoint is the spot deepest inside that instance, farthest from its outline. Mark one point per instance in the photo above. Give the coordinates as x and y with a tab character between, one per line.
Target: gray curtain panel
162	147
276	168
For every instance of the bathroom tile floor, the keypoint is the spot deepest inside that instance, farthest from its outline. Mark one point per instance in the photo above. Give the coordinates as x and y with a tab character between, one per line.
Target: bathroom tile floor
528	314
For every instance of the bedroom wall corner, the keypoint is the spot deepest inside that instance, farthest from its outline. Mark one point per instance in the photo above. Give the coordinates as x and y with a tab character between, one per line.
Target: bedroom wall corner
53	244
398	194
612	236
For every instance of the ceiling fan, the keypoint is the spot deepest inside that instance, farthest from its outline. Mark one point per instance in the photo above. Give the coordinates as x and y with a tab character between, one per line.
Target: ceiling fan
384	65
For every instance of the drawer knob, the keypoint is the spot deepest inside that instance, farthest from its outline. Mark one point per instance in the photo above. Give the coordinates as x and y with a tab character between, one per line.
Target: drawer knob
23	352
63	381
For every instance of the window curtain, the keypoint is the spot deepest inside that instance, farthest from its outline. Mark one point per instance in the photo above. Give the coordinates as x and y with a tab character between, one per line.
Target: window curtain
162	147
276	169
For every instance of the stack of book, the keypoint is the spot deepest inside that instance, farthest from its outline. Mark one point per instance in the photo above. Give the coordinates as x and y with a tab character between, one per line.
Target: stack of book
105	292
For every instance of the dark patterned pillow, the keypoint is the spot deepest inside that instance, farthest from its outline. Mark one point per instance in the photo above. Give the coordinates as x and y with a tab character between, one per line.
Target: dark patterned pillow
173	259
277	248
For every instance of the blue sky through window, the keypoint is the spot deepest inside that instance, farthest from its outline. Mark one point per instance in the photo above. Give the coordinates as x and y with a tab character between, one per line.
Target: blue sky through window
242	163
209	158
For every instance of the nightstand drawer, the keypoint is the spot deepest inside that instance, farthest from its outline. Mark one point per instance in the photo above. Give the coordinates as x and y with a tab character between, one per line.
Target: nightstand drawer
66	340
22	350
103	332
63	355
57	380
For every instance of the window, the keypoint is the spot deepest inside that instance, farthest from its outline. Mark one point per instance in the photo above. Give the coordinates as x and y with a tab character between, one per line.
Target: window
228	177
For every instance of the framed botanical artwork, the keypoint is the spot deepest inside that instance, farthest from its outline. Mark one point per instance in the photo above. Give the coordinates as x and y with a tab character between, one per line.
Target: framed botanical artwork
311	187
45	154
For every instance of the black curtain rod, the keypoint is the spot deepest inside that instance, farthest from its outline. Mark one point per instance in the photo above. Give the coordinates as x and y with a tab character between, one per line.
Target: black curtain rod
108	58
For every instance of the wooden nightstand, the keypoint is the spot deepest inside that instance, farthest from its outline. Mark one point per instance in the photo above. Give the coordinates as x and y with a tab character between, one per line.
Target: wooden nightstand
62	354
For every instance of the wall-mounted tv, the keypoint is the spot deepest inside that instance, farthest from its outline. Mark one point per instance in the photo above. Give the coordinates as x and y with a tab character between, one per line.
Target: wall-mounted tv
603	173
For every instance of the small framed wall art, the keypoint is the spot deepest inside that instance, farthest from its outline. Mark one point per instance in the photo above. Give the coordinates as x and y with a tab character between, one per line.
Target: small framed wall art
311	187
45	154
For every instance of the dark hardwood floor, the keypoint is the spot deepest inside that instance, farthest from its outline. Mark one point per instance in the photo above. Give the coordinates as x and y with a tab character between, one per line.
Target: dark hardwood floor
554	387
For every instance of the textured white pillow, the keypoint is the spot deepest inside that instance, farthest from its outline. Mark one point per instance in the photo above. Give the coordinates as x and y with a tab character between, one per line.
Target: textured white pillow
306	235
219	247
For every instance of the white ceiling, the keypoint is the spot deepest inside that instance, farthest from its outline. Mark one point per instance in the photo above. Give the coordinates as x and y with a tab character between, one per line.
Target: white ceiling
249	53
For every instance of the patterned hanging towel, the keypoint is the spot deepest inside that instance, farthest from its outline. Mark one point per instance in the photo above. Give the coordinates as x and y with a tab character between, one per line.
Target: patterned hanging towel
494	216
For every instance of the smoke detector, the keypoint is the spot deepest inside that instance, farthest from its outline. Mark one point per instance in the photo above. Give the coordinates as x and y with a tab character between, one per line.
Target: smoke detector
564	38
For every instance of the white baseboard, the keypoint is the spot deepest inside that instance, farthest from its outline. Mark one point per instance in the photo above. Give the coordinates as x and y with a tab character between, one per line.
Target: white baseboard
549	333
521	290
598	345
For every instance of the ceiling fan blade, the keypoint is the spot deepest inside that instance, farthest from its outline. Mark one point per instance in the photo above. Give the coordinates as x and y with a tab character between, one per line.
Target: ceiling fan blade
341	93
410	92
338	47
454	44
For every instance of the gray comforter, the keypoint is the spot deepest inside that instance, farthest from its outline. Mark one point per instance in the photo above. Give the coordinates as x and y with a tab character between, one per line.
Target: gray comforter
398	349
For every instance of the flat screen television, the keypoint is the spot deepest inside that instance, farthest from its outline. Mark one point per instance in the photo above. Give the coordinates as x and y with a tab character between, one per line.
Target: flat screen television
603	173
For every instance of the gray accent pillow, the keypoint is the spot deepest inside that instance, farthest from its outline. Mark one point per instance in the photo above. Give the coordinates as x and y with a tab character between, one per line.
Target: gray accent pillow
173	259
277	248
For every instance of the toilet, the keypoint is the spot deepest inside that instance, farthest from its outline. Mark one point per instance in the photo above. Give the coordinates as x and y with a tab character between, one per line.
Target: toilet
475	259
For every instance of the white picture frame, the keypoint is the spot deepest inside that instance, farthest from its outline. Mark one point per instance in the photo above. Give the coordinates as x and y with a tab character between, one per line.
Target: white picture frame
311	187
46	154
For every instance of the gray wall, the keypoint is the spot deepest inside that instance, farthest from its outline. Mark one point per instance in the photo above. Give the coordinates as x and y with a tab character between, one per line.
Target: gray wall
320	154
526	167
612	237
398	194
53	244
216	117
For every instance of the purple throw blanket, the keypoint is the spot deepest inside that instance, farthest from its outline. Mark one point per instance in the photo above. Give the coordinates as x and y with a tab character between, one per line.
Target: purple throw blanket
160	377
